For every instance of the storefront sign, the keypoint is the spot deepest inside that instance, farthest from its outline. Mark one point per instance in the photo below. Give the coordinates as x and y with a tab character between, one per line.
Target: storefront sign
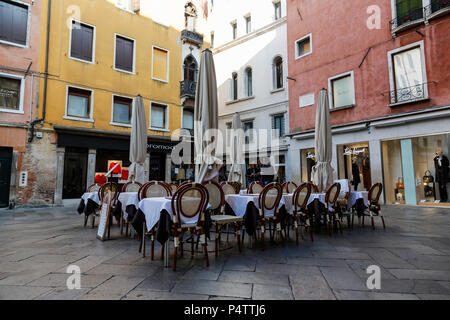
151	147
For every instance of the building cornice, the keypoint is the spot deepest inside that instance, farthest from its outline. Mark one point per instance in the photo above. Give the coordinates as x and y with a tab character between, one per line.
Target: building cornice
246	111
250	35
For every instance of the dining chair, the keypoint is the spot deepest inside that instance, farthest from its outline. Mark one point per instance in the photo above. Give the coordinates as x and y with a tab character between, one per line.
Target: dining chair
237	185
104	189
374	209
94	187
268	202
173	187
189	202
342	203
331	213
300	206
152	189
229	188
131	186
289	187
314	188
220	219
255	187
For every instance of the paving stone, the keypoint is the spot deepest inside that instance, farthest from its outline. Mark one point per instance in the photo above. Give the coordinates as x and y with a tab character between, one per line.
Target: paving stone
202	274
427	296
86	263
157	295
288	269
360	268
271	292
254	277
125	270
310	287
120	284
387	259
340	255
60	280
343	278
364	295
217	288
240	264
320	262
102	295
63	294
420	274
21	292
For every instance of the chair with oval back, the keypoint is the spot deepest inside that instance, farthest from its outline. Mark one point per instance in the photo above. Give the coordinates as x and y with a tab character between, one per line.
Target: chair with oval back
152	189
255	187
131	186
314	188
301	215
229	188
220	220
374	209
289	187
94	187
188	206
237	185
331	213
342	202
115	190
268	202
173	187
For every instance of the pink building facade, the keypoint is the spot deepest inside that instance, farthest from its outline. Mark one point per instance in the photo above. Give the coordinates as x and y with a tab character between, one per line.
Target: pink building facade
20	27
385	66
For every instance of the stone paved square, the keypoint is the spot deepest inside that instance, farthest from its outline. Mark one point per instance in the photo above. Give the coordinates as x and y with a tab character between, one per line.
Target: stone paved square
413	254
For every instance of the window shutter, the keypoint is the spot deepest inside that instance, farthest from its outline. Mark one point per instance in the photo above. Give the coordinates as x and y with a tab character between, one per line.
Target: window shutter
282	126
124	54
87	42
160	64
230	89
20	25
76	45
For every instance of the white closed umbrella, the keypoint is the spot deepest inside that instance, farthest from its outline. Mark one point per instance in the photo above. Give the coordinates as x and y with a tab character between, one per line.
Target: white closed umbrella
322	172
237	171
207	165
138	141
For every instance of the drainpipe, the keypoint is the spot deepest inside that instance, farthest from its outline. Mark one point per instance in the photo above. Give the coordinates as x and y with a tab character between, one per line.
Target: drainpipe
32	124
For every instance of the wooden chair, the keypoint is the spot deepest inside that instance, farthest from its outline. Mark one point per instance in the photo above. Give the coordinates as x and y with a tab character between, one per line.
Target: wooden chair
255	187
131	187
342	204
268	200
237	185
217	202
173	187
115	190
94	187
332	217
300	205
190	201
314	188
289	187
374	209
229	188
152	189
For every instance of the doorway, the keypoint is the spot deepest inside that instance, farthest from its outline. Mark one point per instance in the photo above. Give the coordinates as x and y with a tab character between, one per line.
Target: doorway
157	167
75	171
5	175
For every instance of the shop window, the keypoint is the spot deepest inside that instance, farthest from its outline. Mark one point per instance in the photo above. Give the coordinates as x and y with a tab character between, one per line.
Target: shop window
277	71
13	22
122	109
11	92
354	165
308	161
160	64
303	47
79	103
82	41
124	54
342	91
408	76
158	116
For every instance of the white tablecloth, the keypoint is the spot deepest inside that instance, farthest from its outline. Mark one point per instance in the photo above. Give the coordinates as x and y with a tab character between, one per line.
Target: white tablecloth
128	198
320	196
243	191
239	203
344	185
91	195
152	207
355	195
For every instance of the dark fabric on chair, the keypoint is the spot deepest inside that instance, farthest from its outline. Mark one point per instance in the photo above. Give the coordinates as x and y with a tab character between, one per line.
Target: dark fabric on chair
163	227
316	209
359	207
251	218
131	211
117	213
81	206
137	222
90	208
284	216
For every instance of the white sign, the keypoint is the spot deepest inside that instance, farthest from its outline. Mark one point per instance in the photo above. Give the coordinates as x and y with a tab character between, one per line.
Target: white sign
104	217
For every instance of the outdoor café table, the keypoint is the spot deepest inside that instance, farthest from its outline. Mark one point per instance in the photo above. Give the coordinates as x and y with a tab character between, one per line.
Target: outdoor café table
244	191
127	205
359	200
89	203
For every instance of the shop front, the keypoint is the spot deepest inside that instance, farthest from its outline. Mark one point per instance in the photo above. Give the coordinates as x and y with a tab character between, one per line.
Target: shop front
354	165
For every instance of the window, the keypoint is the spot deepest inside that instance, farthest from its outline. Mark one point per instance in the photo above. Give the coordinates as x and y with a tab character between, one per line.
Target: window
408	10
188	119
212	39
158	116
303	47
277	73
248	82
342	93
13	22
248	24
78	103
234	29
190	69
124	60
234	87
277	7
160	65
122	109
278	124
82	42
11	93
407	73
248	131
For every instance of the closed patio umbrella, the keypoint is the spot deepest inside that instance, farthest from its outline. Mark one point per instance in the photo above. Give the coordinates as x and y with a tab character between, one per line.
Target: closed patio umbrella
138	142
237	171
207	165
322	172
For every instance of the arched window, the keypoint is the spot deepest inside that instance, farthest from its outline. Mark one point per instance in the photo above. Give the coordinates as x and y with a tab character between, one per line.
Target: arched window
190	16
234	87
248	82
277	73
190	69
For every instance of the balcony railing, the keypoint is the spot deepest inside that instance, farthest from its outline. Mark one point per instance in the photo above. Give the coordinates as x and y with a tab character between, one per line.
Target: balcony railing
408	94
192	36
414	16
188	88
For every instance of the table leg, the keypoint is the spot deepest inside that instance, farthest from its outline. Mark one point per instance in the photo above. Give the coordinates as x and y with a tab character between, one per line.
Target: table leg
166	255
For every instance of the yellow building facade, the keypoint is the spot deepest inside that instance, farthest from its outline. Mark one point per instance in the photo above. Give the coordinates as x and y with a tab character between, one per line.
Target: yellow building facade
101	55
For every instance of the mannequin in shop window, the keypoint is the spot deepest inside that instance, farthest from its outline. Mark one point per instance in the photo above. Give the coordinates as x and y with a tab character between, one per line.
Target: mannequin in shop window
366	172
441	165
355	174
